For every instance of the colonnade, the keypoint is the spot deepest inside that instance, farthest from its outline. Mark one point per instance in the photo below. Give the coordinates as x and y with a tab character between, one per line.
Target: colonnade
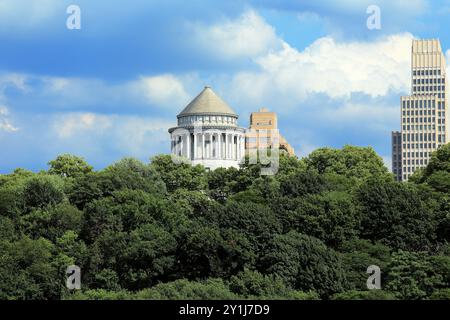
208	145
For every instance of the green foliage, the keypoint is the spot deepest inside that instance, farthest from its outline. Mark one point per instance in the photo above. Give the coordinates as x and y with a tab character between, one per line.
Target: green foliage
42	191
254	285
357	255
441	294
394	214
305	263
355	162
415	275
29	270
171	231
67	165
364	295
176	176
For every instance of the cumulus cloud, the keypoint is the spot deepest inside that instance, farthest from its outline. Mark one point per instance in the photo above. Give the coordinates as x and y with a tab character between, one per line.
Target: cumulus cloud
5	124
163	90
53	93
335	69
27	14
247	36
13	80
69	125
125	135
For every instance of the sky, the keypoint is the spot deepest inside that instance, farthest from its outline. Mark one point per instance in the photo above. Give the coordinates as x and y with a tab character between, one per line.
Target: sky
113	88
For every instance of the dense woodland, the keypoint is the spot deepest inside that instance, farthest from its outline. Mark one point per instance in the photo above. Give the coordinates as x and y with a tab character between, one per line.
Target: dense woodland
161	230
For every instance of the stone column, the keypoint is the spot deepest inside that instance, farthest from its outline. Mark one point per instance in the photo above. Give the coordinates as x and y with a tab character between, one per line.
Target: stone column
176	145
232	147
235	147
181	145
226	146
195	146
243	146
219	146
207	147
203	145
188	149
238	147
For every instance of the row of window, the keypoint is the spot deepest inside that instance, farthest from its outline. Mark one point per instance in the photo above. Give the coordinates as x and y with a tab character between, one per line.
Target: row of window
419	127
415	161
207	119
418	137
419	120
419	145
430	88
260	139
422	104
428	81
423	113
416	154
435	72
412	169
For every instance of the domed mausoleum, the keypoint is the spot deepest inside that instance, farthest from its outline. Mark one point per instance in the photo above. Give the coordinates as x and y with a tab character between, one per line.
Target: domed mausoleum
208	133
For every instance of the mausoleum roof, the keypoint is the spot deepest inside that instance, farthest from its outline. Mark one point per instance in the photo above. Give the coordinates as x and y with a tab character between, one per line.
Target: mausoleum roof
207	102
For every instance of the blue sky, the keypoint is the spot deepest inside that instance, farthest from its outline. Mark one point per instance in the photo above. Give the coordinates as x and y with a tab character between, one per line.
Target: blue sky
114	87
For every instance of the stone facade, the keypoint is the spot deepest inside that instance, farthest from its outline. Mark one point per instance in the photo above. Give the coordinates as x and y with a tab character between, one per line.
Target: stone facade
208	133
424	113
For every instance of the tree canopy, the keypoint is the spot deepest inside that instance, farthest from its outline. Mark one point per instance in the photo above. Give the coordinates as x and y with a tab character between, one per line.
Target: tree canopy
166	230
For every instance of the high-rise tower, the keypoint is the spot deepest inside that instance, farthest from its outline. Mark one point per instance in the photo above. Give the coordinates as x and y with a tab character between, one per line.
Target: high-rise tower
424	113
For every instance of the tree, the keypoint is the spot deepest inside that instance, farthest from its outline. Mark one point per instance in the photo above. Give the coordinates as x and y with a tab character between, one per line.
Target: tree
28	270
254	285
411	276
257	222
52	222
132	174
331	217
43	190
305	263
181	175
354	162
302	183
364	295
394	214
71	166
357	255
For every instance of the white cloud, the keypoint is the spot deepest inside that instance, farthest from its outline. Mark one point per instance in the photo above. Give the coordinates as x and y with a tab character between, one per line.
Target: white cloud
410	7
336	69
14	80
5	124
27	14
247	36
69	125
370	115
163	90
127	135
159	92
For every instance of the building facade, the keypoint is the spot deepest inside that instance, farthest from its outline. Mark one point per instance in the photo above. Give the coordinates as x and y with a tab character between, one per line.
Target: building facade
208	133
424	113
264	133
